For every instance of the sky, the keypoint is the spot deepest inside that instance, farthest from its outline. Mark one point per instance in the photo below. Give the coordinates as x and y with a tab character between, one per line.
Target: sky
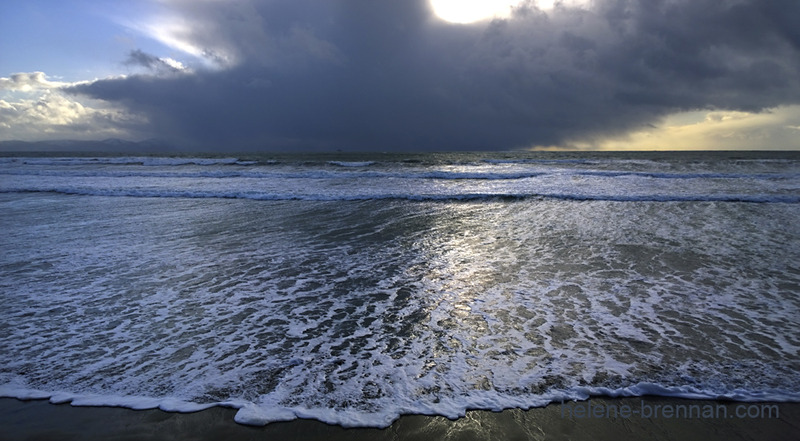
404	75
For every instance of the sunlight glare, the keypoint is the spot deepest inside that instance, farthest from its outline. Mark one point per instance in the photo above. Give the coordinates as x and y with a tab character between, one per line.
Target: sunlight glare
469	11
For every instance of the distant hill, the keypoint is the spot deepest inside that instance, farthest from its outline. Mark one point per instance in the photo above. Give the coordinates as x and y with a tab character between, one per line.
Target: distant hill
112	145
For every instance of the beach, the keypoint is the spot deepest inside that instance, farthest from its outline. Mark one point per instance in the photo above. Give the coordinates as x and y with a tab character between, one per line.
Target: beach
40	420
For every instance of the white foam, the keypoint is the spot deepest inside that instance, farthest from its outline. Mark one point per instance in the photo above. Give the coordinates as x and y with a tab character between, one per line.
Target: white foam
153	193
13	391
264	413
125	160
351	163
95	400
160	161
255	415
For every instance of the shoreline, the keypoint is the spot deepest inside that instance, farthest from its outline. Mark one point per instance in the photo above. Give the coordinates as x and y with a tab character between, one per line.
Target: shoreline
597	418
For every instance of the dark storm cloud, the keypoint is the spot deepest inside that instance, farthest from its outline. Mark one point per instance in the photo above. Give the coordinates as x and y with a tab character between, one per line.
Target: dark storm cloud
375	75
150	62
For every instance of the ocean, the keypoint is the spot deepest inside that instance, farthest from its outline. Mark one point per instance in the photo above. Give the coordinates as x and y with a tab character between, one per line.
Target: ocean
355	288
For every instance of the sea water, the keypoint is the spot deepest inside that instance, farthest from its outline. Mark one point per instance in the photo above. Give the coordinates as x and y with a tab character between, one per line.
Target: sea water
356	288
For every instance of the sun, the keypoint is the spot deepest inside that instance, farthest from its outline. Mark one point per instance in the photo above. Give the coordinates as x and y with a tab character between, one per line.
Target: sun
470	11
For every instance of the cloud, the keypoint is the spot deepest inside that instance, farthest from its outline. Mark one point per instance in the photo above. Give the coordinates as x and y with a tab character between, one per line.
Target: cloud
28	82
154	64
37	109
717	130
360	74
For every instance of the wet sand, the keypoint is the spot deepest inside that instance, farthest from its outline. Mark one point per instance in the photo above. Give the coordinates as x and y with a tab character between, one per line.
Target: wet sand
596	419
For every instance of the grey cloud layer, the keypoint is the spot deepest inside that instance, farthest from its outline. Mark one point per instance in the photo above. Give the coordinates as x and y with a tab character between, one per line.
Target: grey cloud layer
358	74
